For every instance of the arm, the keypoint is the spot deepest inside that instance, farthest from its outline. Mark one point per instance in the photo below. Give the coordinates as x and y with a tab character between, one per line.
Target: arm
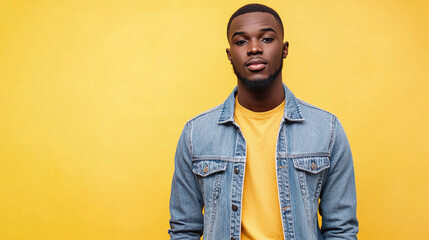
186	201
338	197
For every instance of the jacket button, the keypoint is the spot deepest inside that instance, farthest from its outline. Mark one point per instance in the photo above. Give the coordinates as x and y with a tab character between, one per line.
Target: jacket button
234	207
233	238
236	170
313	166
206	169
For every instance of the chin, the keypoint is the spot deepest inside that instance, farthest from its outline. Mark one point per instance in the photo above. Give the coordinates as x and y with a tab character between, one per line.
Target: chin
257	77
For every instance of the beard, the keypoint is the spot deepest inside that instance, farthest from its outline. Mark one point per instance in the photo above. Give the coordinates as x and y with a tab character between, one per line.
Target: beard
260	84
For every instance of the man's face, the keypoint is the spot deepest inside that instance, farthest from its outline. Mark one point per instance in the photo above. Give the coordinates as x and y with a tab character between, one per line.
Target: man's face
256	49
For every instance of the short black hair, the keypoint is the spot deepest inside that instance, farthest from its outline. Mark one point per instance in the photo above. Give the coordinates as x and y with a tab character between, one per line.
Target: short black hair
254	7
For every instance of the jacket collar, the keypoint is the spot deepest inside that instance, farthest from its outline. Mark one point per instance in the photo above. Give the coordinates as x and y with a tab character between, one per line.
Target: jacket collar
292	112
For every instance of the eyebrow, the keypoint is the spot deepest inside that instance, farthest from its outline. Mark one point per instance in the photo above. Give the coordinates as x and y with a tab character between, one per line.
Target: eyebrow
261	30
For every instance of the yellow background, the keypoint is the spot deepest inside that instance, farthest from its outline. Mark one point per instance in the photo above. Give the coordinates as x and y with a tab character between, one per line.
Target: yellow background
94	95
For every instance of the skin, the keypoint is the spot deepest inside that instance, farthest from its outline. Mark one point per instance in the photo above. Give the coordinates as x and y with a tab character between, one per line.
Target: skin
257	36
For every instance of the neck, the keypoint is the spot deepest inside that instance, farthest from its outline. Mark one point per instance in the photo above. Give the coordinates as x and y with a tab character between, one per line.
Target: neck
263	100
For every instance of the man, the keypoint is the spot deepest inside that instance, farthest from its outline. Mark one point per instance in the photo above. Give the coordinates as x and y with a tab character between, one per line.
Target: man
260	163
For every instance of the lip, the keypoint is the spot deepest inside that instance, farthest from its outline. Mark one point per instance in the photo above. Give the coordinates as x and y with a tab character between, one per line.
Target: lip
256	64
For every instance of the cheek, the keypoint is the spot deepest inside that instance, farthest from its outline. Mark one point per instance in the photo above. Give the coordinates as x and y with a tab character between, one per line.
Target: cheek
237	54
276	57
236	60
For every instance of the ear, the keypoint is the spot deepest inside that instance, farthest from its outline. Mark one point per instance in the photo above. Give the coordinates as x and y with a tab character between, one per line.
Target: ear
228	54
285	49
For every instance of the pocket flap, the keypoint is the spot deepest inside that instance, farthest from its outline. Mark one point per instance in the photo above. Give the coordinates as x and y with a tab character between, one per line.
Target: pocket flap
205	168
311	164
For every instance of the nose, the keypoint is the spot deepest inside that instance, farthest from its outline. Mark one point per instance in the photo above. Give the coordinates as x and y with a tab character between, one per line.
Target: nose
254	47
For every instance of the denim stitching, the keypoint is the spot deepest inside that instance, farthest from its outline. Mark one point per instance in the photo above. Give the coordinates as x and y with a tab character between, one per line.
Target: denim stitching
189	138
330	146
318	188
222	158
303	184
288	210
215	198
299	155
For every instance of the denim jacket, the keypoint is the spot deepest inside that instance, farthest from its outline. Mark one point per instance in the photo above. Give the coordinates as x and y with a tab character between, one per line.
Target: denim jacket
313	163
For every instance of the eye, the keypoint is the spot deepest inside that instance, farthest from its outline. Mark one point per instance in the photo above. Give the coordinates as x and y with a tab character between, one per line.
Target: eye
267	40
240	42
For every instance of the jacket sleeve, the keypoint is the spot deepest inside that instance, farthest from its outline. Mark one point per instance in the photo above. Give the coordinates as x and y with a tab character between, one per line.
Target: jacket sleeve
338	195
186	200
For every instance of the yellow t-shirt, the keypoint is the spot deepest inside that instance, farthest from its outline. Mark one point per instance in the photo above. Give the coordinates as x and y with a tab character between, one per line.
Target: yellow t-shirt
260	207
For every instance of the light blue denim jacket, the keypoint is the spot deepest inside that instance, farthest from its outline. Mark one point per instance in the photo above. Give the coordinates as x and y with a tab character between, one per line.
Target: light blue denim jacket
313	161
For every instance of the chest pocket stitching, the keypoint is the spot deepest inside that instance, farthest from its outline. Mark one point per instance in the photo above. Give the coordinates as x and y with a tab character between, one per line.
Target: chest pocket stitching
206	168
312	165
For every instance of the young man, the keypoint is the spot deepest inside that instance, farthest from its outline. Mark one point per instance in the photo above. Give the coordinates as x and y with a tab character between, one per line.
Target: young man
260	162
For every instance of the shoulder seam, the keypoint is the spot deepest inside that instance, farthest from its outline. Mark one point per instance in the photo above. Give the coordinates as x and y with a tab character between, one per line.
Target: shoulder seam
333	133
189	138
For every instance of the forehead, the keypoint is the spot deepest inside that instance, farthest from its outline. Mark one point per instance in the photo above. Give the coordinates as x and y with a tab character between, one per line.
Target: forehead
254	22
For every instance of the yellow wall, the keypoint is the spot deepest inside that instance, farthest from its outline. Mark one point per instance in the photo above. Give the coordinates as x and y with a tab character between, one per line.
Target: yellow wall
94	95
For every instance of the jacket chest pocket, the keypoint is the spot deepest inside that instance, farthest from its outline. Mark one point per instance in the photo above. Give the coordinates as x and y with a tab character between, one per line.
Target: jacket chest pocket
310	172
209	174
311	165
